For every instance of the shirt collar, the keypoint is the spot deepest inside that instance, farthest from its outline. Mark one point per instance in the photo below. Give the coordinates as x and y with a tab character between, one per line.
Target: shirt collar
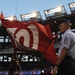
67	30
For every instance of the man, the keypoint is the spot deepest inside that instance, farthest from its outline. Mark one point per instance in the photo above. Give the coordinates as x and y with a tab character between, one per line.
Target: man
65	64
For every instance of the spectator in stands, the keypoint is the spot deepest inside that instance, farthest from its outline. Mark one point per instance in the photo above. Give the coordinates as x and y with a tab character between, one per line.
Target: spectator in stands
65	64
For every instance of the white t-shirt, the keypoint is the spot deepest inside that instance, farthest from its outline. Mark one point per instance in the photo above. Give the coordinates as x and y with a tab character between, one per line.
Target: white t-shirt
68	41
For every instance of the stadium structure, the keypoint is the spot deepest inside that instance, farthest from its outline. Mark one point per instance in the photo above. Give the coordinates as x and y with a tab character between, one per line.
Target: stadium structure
31	61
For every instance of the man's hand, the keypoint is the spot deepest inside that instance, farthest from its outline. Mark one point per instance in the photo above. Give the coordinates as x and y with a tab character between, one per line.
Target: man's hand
54	71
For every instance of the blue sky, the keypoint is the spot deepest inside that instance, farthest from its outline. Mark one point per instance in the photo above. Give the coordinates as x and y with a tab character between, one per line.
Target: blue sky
17	7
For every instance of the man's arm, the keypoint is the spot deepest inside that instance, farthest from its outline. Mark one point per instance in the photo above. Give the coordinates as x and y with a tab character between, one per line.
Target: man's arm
62	56
60	59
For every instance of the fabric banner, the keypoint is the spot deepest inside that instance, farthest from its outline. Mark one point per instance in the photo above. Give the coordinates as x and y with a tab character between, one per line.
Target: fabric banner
1	15
31	35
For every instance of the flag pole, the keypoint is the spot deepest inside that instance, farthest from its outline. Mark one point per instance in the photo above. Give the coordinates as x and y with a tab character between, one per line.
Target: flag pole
15	52
50	42
14	65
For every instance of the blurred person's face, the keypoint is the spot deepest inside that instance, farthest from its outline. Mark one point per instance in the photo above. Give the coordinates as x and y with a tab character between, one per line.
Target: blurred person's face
63	27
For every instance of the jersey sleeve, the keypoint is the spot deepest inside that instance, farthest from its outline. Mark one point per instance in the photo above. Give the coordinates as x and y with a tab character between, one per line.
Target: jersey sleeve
66	41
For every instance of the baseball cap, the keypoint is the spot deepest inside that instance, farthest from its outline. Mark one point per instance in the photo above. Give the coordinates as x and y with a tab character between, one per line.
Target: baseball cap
62	20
